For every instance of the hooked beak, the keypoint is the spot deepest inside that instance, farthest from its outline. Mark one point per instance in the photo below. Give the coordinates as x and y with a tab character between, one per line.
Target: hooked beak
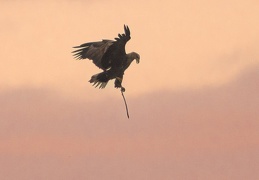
137	60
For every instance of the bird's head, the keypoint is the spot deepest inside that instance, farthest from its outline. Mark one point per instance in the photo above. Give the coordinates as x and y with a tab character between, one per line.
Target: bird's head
134	56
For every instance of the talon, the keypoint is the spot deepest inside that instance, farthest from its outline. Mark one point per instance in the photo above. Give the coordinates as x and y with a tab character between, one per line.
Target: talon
123	89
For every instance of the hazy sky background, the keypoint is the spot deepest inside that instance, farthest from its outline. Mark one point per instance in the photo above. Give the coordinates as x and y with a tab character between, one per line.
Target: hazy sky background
193	99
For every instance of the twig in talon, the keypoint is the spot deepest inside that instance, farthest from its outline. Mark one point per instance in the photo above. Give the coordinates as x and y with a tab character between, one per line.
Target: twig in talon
111	57
125	102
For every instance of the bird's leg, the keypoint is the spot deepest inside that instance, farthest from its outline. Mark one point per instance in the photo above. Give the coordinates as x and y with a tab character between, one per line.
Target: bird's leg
118	82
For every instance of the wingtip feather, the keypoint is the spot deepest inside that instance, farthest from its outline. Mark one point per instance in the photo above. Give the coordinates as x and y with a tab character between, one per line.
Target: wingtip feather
126	29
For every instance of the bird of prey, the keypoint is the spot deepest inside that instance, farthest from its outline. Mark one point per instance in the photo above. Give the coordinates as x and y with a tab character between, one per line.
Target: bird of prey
110	56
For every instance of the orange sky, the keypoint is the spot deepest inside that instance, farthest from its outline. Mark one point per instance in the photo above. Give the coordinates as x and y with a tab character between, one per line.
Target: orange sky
193	99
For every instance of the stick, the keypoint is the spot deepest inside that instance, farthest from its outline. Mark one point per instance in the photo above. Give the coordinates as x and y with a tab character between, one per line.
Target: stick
125	104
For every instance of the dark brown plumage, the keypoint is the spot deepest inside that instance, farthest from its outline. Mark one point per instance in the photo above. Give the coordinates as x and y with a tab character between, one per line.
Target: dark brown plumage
110	56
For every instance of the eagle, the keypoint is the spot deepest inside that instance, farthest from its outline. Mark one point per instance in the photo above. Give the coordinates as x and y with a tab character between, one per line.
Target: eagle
110	56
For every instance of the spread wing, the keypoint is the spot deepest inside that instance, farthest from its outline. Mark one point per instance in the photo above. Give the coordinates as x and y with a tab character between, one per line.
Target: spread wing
116	53
124	38
106	53
94	51
121	41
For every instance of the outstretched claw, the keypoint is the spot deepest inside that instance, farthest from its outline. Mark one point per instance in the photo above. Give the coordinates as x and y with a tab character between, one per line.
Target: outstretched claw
123	89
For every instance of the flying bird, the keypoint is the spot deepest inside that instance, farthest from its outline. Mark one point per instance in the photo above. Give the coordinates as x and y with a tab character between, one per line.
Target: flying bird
110	56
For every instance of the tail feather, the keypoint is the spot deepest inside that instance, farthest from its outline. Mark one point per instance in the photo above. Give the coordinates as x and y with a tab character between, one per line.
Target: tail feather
100	80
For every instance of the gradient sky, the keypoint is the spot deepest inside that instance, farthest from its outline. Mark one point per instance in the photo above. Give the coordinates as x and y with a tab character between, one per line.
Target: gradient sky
193	99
